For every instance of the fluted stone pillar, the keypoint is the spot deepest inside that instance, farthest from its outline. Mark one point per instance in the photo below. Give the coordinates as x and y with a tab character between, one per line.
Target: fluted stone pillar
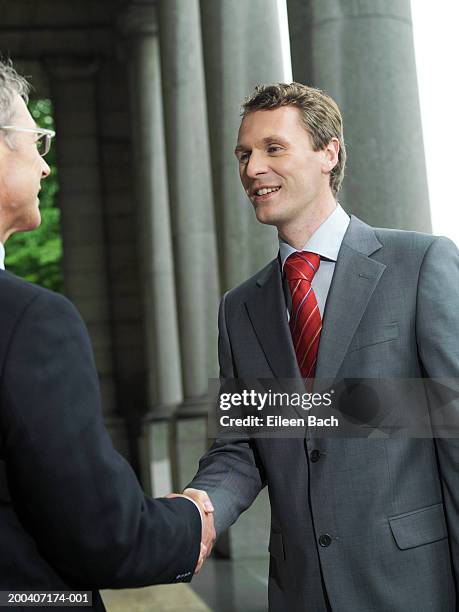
237	57
190	188
362	54
73	84
242	47
155	235
163	365
193	224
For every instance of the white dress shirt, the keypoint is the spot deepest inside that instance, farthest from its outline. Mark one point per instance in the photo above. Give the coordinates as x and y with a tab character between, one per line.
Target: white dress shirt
326	242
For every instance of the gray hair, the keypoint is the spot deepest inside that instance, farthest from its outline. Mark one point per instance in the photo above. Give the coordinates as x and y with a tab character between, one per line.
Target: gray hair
11	85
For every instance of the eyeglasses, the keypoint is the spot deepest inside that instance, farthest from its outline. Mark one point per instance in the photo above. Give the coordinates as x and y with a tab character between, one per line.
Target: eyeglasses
43	141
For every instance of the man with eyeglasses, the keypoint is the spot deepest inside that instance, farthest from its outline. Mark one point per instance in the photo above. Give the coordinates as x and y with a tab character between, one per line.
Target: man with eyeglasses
72	514
22	170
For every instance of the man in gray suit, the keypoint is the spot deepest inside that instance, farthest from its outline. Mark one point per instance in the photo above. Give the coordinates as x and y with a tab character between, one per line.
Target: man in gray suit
358	525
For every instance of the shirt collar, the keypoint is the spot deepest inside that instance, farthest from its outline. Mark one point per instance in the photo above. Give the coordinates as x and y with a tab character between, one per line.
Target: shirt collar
325	241
2	256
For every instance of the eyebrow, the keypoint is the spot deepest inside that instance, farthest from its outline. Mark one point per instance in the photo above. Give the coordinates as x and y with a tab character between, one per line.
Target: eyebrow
265	141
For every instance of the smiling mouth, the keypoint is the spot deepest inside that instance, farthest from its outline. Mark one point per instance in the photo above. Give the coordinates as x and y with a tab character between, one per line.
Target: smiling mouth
265	193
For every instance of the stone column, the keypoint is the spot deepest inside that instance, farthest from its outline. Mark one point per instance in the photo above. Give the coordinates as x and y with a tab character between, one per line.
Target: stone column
139	25
242	47
190	188
155	235
362	54
193	224
73	84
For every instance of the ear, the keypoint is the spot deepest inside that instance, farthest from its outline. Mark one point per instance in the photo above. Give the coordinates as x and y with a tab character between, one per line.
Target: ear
330	155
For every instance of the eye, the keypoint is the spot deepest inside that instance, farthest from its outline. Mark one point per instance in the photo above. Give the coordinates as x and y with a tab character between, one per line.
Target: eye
41	145
274	149
243	157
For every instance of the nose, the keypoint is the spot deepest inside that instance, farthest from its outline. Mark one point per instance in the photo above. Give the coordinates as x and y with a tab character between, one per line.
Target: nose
256	165
45	169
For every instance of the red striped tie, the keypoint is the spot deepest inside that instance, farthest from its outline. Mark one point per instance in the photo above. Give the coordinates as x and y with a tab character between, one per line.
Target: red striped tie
305	322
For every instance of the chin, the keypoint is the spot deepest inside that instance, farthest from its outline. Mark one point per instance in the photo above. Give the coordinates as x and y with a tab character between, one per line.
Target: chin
36	215
32	222
266	216
36	222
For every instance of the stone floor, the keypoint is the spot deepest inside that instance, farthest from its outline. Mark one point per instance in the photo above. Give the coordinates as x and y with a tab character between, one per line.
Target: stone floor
161	598
222	586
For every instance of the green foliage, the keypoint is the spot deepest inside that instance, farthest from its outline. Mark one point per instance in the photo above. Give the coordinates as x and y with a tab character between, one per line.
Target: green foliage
37	255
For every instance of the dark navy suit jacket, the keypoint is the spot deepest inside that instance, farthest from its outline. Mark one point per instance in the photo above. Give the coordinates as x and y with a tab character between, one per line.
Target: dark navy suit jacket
72	514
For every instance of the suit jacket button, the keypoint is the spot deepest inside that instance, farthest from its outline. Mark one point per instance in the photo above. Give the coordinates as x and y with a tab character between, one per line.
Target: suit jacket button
325	540
315	455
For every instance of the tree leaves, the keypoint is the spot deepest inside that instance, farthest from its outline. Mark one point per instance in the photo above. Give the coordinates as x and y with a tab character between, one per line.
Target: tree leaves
37	255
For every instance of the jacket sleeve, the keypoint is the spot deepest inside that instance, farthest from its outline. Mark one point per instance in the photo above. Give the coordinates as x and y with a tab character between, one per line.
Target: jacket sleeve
230	472
77	497
437	332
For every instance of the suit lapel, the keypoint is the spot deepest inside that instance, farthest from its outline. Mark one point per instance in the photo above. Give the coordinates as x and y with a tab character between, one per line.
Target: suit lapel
354	280
267	311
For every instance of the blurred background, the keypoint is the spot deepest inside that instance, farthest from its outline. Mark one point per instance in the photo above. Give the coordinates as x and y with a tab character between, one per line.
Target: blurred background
145	224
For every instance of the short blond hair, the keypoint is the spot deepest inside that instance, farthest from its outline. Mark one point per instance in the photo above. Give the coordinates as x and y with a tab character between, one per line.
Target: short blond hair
320	115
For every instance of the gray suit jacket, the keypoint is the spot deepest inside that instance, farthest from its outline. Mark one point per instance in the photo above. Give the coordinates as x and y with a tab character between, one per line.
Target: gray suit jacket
390	506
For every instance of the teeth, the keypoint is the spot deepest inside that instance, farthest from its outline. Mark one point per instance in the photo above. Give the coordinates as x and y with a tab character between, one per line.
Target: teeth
266	190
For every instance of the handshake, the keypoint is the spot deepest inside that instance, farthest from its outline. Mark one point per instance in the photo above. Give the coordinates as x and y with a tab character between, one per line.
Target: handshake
208	535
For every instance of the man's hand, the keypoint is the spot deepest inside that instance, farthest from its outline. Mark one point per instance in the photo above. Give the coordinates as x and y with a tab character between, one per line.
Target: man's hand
208	535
